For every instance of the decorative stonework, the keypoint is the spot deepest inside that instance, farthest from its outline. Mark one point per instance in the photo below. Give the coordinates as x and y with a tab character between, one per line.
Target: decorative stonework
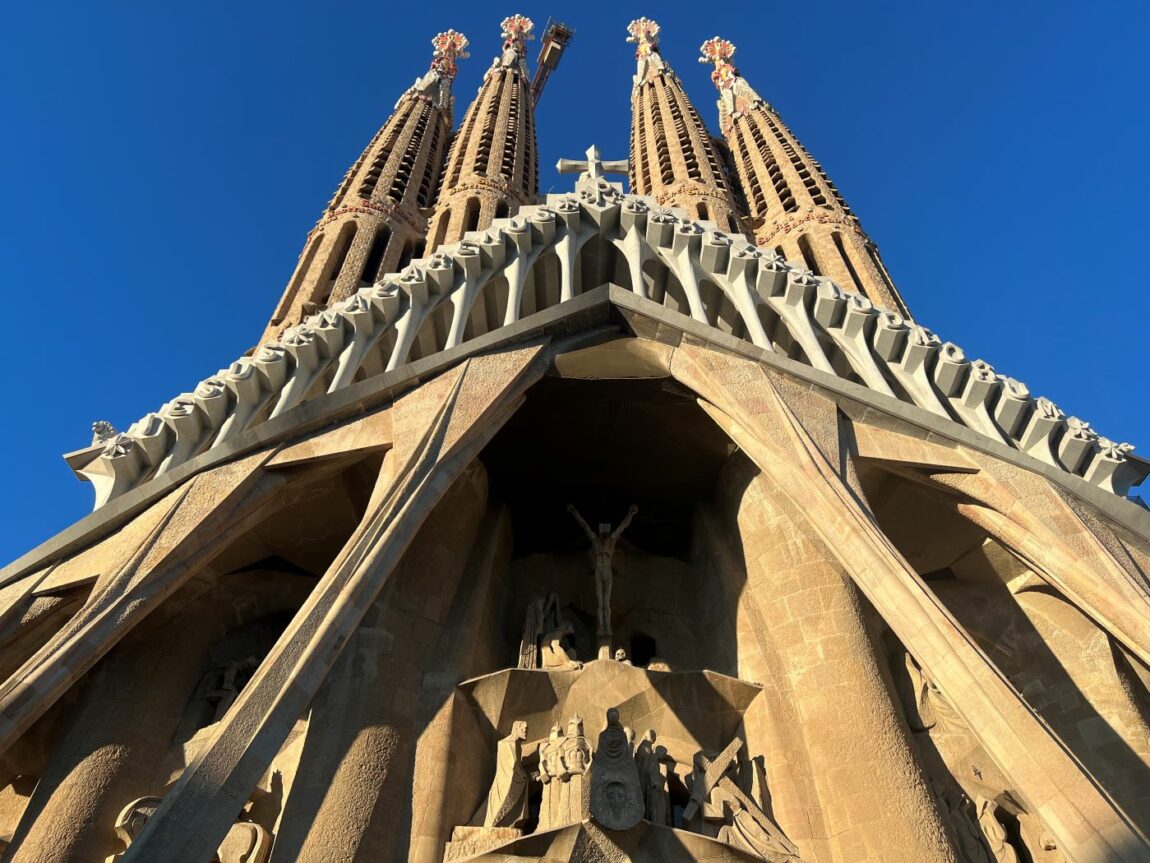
890	354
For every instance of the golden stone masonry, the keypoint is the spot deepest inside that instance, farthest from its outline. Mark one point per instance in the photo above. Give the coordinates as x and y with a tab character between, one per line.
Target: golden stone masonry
620	524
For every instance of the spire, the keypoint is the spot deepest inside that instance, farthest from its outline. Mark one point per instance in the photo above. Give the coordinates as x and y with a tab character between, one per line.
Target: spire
672	154
375	221
450	47
516	34
645	34
793	206
735	94
493	166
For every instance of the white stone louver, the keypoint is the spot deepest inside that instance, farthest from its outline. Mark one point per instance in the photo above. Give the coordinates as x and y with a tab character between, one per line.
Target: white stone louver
495	277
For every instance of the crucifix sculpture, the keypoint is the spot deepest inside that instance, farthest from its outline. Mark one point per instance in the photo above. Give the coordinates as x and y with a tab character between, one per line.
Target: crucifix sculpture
602	550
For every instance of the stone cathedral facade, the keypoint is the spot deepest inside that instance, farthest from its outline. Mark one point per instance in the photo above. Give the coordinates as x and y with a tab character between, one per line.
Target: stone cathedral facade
637	522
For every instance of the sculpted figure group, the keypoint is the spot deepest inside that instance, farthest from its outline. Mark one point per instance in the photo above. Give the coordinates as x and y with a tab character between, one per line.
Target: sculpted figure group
622	783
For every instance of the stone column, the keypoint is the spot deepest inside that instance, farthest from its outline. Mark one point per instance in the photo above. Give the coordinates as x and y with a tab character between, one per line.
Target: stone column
351	800
110	751
874	800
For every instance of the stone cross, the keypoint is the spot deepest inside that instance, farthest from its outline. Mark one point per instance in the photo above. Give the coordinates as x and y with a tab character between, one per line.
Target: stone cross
712	772
593	167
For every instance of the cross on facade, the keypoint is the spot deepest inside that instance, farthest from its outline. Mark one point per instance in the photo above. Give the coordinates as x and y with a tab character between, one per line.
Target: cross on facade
593	167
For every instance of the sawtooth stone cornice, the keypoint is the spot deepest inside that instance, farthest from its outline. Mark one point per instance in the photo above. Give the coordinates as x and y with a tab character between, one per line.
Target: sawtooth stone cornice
496	277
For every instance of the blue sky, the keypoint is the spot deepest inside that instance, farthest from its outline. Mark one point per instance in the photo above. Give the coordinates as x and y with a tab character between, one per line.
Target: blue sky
162	162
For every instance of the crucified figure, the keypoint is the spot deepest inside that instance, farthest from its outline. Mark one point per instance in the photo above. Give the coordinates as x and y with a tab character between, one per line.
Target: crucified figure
602	550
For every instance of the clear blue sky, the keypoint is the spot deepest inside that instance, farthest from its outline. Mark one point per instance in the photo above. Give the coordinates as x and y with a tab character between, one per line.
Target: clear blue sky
160	164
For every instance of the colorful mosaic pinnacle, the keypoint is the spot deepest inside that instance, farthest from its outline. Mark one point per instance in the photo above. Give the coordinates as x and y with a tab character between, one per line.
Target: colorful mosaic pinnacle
449	46
516	31
645	33
718	51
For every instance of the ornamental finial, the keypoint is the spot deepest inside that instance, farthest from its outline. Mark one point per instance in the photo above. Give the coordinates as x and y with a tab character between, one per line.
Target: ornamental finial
718	51
645	34
450	46
517	31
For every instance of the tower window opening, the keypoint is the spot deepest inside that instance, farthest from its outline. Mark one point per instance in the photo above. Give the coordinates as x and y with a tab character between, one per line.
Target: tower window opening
702	208
838	240
441	228
502	210
338	258
808	254
406	254
471	215
375	256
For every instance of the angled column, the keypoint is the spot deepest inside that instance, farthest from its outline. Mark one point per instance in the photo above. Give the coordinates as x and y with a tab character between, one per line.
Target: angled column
792	204
493	168
439	429
672	154
375	223
1086	823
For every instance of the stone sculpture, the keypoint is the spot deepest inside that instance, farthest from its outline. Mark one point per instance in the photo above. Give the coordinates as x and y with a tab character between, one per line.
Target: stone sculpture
233	676
563	763
556	657
993	832
616	794
551	774
542	617
134	816
602	550
102	432
621	656
655	785
644	752
507	801
720	808
576	763
245	842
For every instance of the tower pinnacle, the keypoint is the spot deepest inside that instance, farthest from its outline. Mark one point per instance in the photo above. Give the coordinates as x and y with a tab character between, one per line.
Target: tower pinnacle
673	156
516	33
493	165
792	204
450	47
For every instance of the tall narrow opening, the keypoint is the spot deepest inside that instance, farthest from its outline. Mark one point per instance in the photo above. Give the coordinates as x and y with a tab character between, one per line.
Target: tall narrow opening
375	256
808	254
338	259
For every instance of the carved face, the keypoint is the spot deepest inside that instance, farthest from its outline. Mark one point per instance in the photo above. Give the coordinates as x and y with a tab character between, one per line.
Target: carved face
604	529
519	730
612	716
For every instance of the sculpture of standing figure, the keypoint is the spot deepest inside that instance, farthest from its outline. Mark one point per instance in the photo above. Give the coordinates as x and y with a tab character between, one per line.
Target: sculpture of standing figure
993	832
576	763
553	775
655	786
616	793
602	550
542	617
507	801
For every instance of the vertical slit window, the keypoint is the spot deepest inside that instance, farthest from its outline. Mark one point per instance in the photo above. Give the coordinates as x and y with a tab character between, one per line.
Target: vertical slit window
847	260
375	256
338	258
808	254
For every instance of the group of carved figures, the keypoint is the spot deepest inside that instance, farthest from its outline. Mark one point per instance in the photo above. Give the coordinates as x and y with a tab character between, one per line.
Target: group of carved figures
623	782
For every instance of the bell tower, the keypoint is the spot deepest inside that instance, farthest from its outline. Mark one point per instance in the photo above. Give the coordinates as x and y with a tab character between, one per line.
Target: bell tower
672	154
374	222
793	205
493	167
